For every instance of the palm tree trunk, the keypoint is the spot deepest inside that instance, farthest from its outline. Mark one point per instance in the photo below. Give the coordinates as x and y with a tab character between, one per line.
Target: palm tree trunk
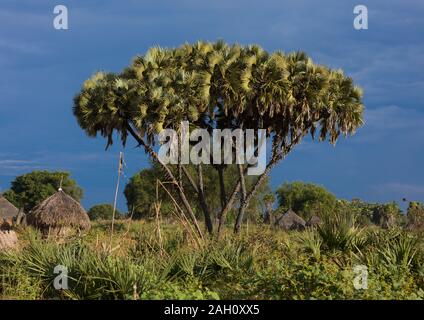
277	155
199	189
244	204
180	166
170	175
242	199
202	200
223	193
228	201
229	204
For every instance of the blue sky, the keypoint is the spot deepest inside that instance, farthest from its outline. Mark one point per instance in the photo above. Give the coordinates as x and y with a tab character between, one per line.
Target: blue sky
43	68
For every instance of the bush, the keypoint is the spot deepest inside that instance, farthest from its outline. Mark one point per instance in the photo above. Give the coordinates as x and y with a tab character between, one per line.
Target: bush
32	188
103	211
339	232
306	199
387	215
415	216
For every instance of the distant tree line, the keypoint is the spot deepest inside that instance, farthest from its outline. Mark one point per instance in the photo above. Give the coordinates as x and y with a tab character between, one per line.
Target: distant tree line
146	188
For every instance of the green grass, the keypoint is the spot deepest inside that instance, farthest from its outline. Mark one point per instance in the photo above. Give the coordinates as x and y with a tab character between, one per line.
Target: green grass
260	263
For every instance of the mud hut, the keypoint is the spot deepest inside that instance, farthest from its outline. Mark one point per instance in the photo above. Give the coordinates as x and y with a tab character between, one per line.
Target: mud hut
313	222
59	215
8	239
290	221
8	212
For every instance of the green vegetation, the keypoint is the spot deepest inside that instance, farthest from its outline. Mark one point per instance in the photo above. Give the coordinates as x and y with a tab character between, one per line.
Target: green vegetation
219	86
103	212
162	257
261	263
306	199
143	191
415	215
164	252
30	189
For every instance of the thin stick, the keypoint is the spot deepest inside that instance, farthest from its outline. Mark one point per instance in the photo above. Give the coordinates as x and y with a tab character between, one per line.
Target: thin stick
194	221
116	197
128	226
157	206
199	237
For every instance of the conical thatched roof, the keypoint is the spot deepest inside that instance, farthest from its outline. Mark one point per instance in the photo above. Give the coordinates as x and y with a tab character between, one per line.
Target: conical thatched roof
313	222
290	221
59	211
7	210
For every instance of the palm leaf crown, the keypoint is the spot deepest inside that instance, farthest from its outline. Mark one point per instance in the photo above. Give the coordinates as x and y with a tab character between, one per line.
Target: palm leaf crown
216	85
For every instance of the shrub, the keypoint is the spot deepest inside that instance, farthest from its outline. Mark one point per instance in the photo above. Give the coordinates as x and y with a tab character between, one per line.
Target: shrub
306	199
311	242
32	188
415	216
387	215
338	231
103	211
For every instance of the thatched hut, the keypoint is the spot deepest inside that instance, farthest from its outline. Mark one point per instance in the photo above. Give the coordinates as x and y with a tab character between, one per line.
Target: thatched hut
290	221
8	240
8	212
59	215
313	222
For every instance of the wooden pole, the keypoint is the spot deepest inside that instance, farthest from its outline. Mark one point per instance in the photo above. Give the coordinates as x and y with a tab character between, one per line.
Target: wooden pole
116	196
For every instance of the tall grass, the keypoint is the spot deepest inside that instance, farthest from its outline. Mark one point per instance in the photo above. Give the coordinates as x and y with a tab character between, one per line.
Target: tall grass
311	242
338	231
265	264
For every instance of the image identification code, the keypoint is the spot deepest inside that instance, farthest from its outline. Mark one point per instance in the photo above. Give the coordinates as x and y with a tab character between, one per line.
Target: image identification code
225	309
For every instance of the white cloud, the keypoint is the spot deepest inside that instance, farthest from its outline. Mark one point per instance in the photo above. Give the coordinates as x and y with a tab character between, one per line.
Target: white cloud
11	167
24	19
391	122
17	46
393	118
48	161
13	162
402	190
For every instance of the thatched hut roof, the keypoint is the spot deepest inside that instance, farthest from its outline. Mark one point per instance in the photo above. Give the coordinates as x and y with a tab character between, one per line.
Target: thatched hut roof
290	221
7	210
313	222
59	211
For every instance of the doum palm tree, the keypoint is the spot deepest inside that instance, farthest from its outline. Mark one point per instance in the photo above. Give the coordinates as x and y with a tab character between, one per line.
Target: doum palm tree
218	86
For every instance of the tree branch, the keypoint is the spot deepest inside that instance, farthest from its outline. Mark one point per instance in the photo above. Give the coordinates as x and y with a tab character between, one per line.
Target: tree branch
278	153
202	200
169	173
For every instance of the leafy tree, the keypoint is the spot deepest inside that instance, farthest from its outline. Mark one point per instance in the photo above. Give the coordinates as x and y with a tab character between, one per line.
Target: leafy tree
140	193
415	215
214	85
32	188
268	200
362	210
306	199
103	211
387	215
141	190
